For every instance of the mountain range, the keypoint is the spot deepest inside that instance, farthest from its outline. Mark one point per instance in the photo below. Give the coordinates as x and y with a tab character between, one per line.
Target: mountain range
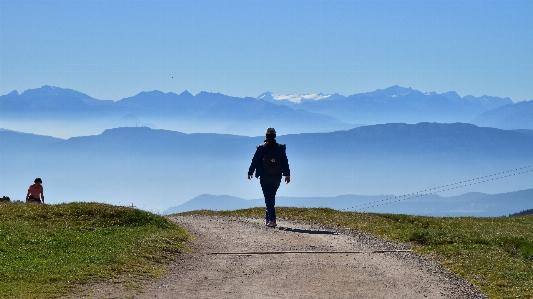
66	113
157	150
37	109
469	204
510	116
393	104
155	169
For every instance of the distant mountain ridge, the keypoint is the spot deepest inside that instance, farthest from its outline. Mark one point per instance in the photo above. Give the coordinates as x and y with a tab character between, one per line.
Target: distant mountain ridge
14	137
398	104
218	113
469	204
455	141
511	116
296	98
204	112
160	167
53	100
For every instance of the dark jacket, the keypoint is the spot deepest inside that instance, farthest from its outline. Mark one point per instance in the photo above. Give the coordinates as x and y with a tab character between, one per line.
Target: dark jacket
257	160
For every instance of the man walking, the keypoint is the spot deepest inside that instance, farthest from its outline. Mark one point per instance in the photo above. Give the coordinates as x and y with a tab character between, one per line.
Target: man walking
270	163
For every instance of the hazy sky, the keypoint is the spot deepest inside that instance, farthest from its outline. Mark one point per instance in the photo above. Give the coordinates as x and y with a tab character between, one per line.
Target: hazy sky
115	49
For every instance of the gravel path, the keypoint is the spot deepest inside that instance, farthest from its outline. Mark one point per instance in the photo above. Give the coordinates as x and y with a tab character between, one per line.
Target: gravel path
202	274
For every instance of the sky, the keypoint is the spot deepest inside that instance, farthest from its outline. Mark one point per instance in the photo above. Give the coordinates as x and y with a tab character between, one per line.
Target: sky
115	49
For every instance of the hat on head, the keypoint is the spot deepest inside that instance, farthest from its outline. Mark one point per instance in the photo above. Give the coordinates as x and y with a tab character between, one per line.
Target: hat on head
270	131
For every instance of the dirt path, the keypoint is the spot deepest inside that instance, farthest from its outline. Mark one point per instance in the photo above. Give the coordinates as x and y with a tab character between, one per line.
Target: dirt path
202	274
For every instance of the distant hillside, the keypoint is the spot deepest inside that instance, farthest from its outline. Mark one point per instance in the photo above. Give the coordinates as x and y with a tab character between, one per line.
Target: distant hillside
26	138
49	101
511	116
469	204
448	142
155	169
423	140
525	131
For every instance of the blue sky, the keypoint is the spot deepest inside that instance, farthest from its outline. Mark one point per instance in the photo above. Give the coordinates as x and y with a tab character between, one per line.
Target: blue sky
115	49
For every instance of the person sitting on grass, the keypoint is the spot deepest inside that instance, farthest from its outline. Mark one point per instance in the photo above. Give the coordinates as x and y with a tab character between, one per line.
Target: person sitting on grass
35	192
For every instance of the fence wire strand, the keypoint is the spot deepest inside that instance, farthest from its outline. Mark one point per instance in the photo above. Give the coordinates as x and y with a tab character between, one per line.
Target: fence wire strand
461	184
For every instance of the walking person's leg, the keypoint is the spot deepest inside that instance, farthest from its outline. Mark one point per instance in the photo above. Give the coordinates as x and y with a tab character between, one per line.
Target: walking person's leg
266	186
276	181
270	185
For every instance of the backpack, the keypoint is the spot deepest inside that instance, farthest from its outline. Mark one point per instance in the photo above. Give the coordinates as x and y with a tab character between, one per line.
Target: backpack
272	161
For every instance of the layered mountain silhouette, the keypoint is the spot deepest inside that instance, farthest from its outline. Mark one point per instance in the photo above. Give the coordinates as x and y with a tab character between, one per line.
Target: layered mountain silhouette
56	108
204	112
456	141
156	169
396	104
510	116
49	101
468	204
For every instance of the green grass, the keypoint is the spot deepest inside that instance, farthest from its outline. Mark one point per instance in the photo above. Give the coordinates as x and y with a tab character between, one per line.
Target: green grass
495	254
49	250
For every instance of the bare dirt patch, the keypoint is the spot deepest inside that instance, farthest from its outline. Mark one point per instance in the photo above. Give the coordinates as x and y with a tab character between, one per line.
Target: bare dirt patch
202	274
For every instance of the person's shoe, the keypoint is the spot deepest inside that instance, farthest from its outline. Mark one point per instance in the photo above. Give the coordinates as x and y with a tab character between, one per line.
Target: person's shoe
267	222
272	224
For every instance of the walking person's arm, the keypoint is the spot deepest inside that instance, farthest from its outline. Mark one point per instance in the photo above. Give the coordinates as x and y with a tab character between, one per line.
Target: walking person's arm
285	165
42	193
253	165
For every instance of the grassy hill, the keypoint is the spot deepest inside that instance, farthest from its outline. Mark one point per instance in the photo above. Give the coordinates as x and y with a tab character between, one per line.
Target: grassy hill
495	254
49	250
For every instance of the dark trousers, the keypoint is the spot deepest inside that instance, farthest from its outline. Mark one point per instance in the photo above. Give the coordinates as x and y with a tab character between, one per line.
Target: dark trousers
33	199
270	184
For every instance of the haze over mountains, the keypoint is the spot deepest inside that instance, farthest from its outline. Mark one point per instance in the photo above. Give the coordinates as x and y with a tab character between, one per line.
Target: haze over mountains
156	169
468	204
52	107
66	113
393	104
115	152
510	116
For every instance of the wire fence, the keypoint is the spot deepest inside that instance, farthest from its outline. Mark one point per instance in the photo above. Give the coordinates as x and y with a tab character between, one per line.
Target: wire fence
461	184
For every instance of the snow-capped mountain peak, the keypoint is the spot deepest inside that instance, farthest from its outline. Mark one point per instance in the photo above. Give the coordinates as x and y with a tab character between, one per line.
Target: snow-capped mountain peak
294	98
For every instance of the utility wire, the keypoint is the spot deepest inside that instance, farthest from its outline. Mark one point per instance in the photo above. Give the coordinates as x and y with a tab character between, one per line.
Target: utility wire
448	187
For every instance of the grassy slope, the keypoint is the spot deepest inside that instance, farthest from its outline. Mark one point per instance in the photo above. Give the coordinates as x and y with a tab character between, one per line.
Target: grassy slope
495	254
47	250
